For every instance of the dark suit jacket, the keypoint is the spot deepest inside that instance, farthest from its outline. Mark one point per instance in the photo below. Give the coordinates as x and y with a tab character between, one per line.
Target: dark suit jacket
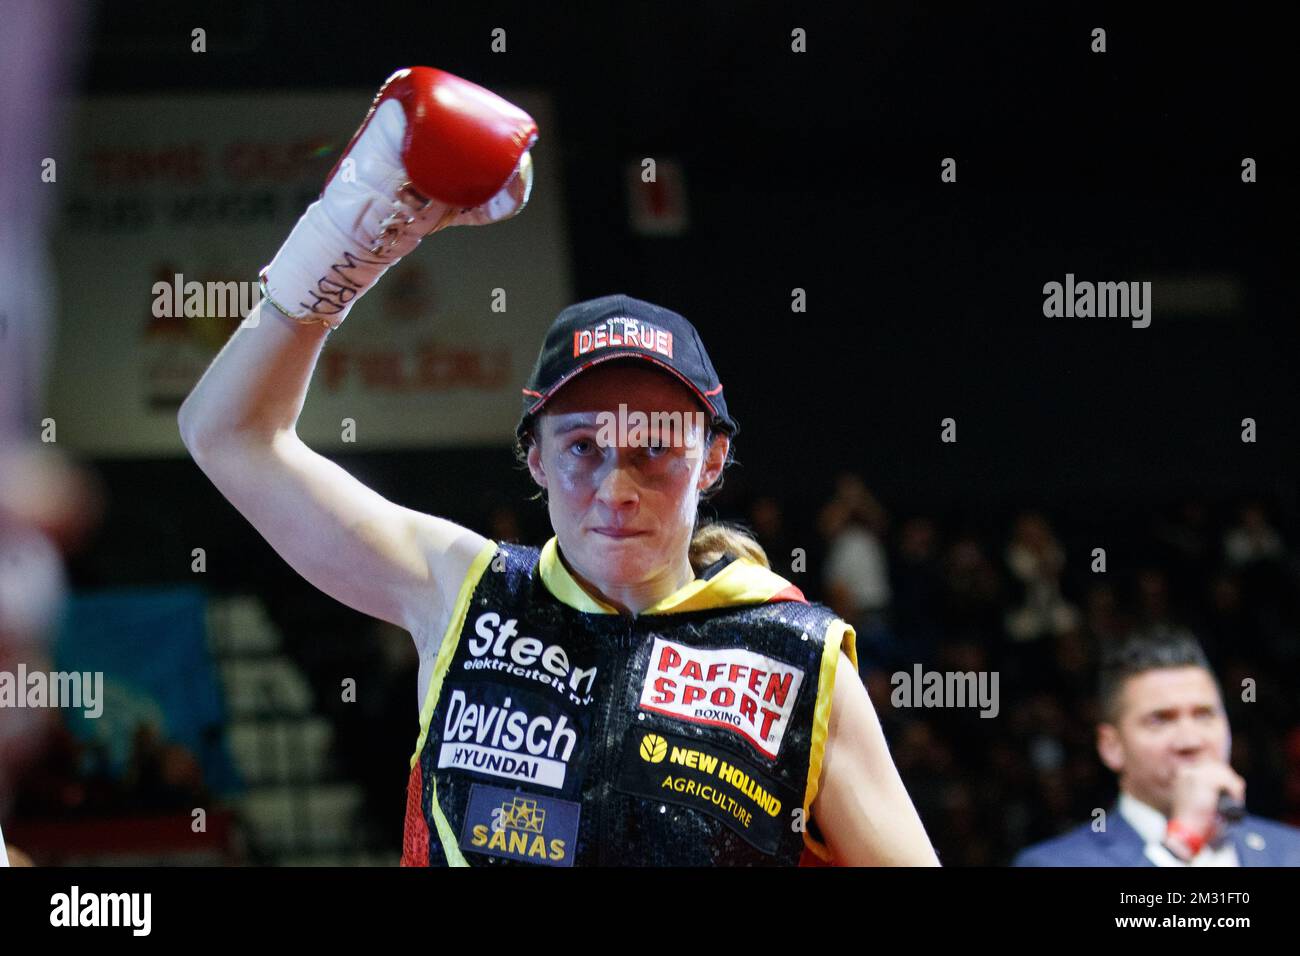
1259	842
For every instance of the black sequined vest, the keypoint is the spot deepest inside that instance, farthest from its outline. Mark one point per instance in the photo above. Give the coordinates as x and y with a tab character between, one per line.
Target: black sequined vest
559	737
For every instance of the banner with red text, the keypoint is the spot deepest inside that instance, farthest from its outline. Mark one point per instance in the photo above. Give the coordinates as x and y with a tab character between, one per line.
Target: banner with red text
169	205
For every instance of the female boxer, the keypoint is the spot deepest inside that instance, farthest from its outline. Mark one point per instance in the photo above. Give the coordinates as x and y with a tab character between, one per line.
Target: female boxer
638	690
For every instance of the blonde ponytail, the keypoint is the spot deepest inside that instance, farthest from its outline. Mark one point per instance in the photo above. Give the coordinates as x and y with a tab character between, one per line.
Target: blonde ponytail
711	541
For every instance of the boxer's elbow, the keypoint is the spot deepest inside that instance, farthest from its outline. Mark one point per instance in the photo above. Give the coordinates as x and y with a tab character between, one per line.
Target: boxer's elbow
204	430
188	427
198	433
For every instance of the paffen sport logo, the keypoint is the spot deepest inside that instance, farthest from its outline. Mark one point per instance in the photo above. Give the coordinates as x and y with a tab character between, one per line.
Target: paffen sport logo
731	687
510	734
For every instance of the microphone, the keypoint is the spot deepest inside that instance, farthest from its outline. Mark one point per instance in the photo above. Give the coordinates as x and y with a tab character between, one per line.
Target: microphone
1230	808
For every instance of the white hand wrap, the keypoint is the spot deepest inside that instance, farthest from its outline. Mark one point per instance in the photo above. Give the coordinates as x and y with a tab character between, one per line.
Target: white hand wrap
368	217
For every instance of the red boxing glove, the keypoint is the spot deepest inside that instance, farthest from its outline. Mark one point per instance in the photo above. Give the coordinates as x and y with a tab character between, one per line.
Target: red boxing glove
434	151
462	143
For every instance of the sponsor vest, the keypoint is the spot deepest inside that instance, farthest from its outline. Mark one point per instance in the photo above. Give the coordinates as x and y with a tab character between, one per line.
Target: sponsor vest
556	733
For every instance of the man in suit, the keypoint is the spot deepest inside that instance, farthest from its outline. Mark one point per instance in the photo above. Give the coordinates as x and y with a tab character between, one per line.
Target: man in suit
1164	733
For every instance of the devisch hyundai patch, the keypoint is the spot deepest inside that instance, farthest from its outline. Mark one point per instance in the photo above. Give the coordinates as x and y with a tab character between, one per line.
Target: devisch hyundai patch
728	687
510	733
693	774
520	826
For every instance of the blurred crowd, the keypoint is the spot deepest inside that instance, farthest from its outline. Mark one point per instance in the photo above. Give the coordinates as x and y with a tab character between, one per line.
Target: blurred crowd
1031	595
1021	598
73	777
1013	594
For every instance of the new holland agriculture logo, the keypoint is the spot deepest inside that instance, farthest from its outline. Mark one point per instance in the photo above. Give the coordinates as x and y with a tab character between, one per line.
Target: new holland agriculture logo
732	790
653	748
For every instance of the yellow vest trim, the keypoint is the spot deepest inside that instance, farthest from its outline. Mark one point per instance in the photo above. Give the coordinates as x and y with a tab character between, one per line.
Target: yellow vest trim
741	582
838	635
562	584
451	638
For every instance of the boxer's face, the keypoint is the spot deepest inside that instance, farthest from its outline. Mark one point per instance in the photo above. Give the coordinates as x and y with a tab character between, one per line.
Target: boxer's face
623	512
1167	717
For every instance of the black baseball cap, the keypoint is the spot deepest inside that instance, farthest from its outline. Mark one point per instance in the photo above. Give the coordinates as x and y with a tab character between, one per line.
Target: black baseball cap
621	327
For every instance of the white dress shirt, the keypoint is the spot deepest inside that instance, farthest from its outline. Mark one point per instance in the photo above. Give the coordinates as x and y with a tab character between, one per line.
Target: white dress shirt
4	856
1150	825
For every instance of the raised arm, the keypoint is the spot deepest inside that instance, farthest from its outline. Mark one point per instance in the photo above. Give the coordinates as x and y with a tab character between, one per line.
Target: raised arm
427	135
361	549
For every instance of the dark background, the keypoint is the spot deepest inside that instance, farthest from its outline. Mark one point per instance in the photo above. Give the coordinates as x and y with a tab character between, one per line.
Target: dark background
821	171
